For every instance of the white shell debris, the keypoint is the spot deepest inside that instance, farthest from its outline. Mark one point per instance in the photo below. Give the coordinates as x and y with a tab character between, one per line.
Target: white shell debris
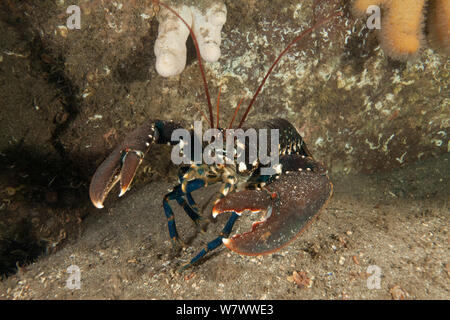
170	46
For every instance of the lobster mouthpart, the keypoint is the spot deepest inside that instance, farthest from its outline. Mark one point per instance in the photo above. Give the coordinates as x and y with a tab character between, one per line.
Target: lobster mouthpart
292	202
121	165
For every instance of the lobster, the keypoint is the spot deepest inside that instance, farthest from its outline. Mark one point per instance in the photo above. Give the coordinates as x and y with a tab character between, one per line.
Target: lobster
289	198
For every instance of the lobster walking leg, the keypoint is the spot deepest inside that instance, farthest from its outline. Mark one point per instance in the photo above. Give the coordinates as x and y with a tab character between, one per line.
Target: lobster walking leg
190	200
178	195
216	242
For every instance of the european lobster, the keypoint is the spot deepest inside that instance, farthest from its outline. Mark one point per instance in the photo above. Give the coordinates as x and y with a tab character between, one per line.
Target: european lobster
291	197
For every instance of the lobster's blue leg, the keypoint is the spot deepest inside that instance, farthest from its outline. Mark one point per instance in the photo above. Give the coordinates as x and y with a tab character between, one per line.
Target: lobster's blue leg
190	208
192	213
189	198
178	195
216	242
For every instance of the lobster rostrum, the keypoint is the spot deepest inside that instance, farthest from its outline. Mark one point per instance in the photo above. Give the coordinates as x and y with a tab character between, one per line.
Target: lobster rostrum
289	199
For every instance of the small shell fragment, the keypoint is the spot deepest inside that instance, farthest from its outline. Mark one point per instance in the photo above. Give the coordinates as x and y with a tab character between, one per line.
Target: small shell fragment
63	31
300	279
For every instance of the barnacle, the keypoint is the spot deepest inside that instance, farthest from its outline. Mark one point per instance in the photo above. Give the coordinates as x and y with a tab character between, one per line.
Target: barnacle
402	25
170	46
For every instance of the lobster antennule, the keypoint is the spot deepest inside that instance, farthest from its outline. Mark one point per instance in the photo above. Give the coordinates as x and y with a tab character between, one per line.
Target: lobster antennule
218	103
296	39
235	112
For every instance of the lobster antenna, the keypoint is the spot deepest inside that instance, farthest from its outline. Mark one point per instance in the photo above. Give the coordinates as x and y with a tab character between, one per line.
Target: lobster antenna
296	39
208	99
217	112
235	113
201	112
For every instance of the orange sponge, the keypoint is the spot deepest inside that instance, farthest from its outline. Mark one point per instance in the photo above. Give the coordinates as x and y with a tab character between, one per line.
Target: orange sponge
439	25
401	34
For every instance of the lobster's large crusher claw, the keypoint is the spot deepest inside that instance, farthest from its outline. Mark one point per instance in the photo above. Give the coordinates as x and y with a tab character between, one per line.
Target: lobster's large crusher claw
290	204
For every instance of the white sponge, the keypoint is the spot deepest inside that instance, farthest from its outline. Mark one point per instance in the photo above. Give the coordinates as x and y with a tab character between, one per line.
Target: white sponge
207	29
170	46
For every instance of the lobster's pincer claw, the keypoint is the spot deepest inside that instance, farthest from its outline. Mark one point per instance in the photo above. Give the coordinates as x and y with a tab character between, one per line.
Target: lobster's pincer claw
121	164
291	203
131	160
